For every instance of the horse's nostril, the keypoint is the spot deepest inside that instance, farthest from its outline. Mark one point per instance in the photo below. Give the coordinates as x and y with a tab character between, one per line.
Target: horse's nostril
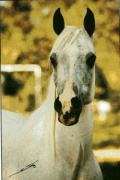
66	115
58	105
76	103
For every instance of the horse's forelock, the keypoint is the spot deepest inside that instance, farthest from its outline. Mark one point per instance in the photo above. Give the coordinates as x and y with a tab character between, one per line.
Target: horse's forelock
65	39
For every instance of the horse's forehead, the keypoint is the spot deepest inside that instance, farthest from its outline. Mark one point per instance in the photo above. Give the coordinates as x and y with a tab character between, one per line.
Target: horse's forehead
73	37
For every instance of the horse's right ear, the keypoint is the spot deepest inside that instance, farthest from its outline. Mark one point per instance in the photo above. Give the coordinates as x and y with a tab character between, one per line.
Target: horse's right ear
58	22
89	22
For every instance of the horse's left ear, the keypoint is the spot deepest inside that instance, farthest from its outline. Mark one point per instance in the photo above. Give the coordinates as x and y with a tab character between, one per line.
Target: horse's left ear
58	22
89	22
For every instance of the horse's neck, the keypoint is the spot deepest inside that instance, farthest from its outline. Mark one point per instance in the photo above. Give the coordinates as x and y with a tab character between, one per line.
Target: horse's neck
75	140
60	137
41	124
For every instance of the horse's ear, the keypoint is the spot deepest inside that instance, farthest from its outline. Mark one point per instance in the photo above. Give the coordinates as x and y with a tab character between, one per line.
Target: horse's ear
89	22
58	22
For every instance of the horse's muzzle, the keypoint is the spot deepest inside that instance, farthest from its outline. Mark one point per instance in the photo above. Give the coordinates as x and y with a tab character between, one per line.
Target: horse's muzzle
70	117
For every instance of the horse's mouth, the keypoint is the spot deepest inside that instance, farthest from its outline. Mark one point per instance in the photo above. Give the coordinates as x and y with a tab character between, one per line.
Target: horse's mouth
69	119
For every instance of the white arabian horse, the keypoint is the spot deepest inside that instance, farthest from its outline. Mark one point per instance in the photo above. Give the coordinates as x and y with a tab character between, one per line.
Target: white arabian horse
57	145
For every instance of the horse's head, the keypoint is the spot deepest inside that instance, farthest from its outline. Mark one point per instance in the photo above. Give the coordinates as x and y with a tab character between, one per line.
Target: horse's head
73	58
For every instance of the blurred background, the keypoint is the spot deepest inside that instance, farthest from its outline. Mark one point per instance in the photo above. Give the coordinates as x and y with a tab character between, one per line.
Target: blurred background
27	38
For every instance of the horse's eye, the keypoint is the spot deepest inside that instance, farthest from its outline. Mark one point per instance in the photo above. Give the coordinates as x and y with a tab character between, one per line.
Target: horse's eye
90	60
53	61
